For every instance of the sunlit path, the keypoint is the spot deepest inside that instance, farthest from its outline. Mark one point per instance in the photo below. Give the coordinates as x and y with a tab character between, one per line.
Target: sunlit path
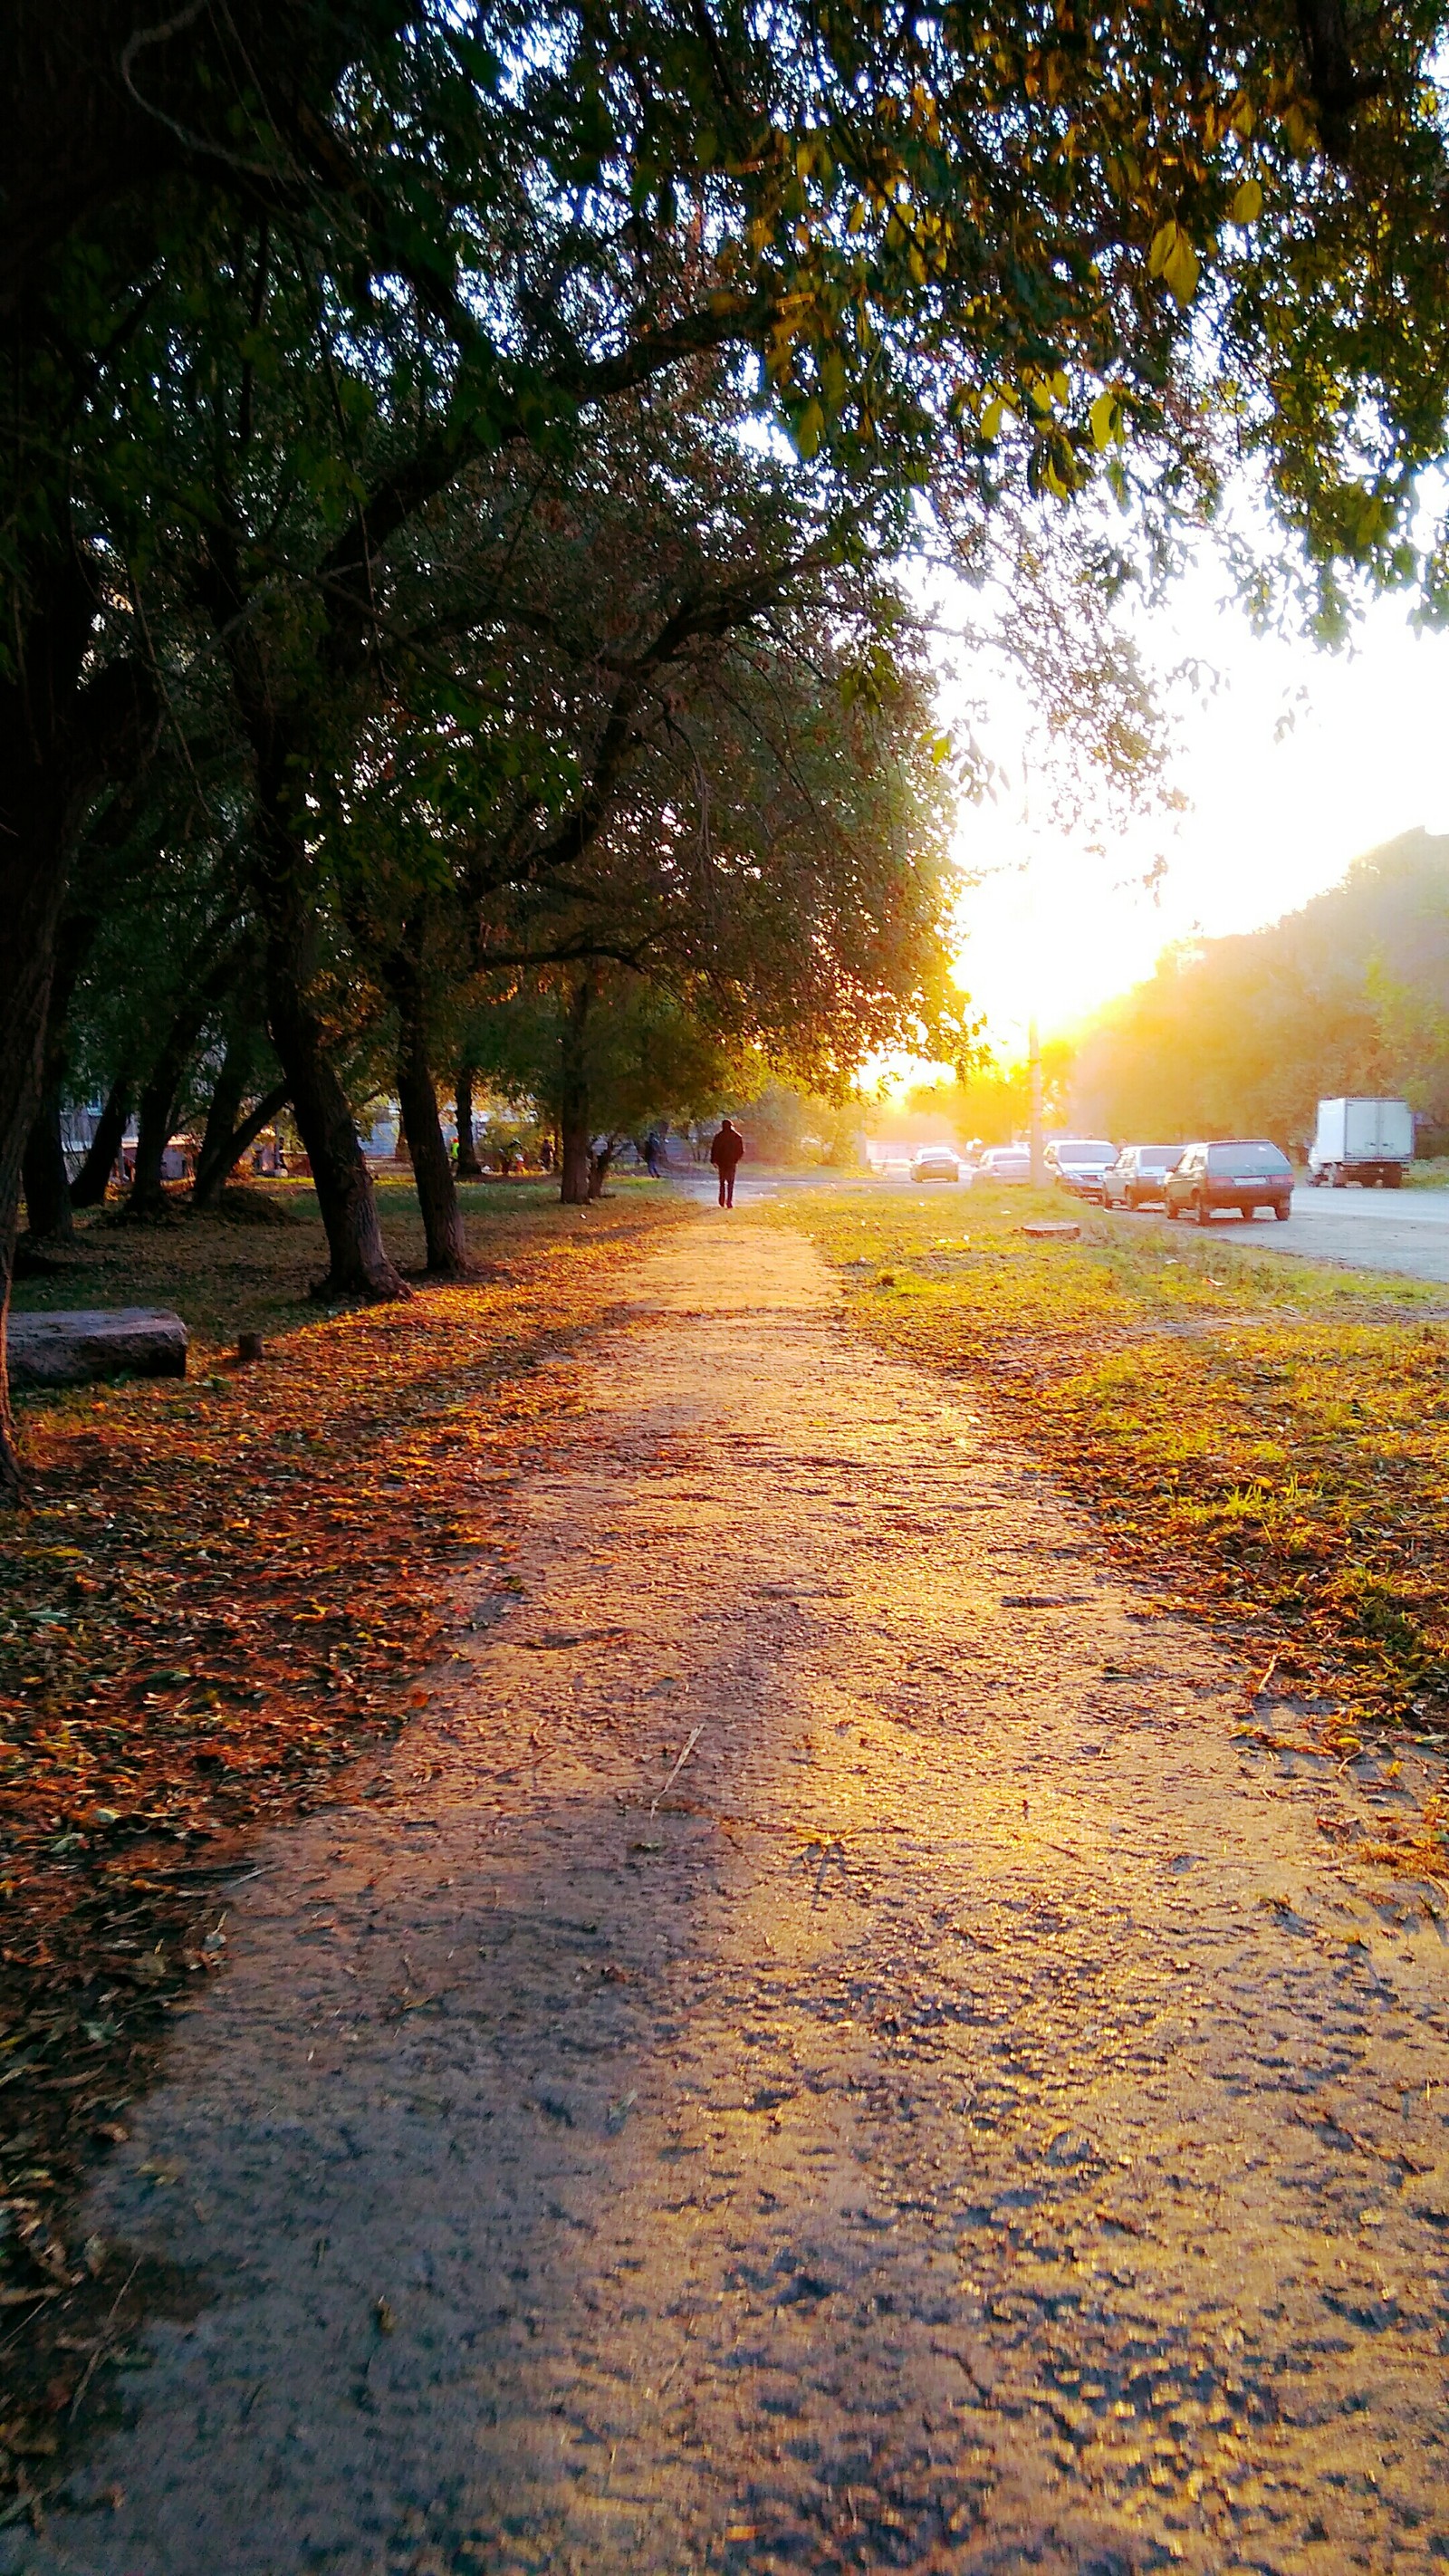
822	2053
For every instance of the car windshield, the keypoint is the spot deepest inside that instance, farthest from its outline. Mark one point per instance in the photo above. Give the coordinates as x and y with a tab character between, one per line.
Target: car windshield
1246	1161
1086	1149
1157	1158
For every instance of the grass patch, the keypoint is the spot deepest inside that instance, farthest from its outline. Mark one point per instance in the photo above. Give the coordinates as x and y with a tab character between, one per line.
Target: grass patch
249	1268
1268	1436
223	1589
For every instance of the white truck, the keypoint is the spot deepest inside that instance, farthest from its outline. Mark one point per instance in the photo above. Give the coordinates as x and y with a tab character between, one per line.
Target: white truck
1361	1140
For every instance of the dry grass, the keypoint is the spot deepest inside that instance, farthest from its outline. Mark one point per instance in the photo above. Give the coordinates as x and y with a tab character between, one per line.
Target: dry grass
1265	1441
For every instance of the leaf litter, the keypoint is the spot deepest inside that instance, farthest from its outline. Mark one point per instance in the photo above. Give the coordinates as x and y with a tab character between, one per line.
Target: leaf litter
223	1591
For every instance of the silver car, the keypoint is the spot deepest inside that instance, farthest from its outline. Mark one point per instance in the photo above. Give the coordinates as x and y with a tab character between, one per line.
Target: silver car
1139	1176
1077	1163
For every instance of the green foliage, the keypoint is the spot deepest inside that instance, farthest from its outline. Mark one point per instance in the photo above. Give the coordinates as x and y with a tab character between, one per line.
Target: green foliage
645	1060
1225	214
783	1124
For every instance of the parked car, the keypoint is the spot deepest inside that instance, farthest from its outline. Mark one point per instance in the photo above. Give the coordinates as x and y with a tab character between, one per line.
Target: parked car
935	1163
1138	1176
1077	1163
1004	1163
1244	1172
1361	1140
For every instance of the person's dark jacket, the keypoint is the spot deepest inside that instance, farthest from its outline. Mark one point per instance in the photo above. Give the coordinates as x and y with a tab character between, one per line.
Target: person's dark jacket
727	1150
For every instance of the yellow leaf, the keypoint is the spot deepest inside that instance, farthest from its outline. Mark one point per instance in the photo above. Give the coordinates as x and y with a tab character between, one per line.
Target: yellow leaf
1106	419
1173	259
991	419
1060	386
808	428
1247	203
1164	243
1180	270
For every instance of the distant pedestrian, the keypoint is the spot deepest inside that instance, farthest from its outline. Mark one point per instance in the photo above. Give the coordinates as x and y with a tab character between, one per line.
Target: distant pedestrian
651	1155
726	1154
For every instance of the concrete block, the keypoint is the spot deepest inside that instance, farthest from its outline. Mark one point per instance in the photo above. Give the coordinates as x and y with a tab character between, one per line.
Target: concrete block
92	1342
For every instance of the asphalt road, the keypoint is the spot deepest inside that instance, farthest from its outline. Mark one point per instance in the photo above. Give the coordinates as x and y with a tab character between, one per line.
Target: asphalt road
1404	1230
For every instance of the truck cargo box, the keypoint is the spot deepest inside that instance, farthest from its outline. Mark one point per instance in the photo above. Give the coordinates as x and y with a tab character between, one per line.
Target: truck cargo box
1362	1140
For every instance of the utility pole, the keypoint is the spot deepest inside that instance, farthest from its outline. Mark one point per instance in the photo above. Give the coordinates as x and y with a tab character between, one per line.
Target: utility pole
1033	1034
1038	1150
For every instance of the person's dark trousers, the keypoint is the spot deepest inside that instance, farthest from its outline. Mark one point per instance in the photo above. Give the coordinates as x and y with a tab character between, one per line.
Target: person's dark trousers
726	1189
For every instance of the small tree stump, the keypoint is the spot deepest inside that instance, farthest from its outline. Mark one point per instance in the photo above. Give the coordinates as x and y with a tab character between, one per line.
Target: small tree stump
1053	1233
249	1347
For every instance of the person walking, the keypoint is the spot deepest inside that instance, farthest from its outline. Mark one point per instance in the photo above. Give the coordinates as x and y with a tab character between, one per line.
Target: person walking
726	1154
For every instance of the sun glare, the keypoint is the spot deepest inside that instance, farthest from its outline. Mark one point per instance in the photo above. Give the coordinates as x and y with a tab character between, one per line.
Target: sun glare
1299	764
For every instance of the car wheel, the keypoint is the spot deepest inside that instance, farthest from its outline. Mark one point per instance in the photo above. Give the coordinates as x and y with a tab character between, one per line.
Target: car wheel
1203	1212
1247	1215
1281	1211
1336	1177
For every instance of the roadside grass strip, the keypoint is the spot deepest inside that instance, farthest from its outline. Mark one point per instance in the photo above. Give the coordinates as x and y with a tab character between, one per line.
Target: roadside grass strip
1263	1441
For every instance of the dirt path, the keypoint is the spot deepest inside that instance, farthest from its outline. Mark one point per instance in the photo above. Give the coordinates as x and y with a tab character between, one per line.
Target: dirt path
972	2122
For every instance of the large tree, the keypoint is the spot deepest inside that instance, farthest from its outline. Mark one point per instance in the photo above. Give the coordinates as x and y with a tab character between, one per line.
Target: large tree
1021	236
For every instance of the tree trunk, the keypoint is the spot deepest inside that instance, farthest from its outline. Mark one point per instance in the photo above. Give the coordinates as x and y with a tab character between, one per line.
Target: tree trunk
359	1265
153	1134
91	1182
358	1262
161	1090
215	1168
47	1182
469	1167
432	1171
37	704
574	1101
222	1116
58	743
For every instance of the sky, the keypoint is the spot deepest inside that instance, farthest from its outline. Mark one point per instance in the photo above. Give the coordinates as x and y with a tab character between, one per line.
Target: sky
1271	820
